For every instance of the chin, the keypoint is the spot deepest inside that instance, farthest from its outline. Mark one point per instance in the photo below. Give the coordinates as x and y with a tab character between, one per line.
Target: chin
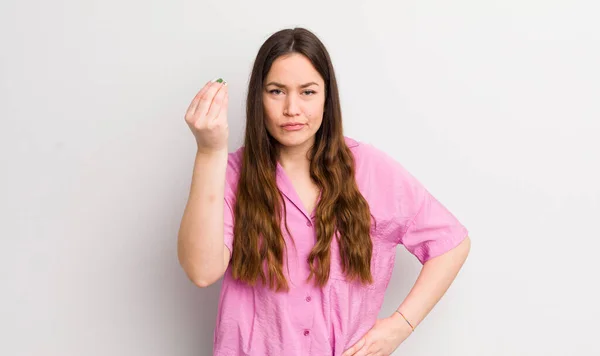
294	139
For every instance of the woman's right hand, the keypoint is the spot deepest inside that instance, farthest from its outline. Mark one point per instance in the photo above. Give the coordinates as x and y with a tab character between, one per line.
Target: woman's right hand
207	117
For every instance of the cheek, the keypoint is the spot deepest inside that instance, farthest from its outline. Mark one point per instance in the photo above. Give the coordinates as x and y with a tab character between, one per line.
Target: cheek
270	111
270	122
314	111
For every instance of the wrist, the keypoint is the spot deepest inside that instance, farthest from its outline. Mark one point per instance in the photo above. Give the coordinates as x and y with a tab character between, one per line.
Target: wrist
211	154
402	322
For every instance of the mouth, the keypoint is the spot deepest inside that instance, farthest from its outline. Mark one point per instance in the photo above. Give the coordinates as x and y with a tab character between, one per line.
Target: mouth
293	126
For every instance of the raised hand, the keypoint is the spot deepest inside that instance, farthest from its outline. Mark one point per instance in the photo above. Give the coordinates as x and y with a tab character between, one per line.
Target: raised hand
207	117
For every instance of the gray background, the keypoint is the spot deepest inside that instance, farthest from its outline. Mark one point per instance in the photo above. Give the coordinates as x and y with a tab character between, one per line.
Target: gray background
492	105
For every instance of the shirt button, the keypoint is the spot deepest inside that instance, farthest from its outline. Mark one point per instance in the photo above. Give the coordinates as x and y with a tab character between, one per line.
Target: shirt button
308	299
306	332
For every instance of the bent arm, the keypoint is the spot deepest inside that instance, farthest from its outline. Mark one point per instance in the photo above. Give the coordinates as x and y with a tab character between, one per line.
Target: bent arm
433	281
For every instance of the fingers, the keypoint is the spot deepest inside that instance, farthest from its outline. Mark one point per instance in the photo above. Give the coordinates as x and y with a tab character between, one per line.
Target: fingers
222	116
357	348
217	103
364	351
194	104
206	100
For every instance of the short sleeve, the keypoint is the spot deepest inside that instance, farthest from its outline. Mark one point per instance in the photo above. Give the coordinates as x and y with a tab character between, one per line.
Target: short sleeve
434	230
407	212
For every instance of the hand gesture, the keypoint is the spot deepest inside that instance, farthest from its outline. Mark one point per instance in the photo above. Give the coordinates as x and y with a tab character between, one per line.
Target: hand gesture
207	117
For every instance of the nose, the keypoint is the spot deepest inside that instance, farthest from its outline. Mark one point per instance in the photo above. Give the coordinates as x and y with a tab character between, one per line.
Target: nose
291	106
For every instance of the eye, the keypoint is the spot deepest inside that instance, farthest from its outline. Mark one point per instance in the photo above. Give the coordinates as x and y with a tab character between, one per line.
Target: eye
275	91
309	92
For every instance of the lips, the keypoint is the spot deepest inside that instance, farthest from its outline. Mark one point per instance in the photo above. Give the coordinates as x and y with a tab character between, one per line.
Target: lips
293	126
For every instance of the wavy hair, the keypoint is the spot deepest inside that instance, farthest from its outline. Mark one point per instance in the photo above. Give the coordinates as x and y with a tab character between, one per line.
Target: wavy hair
342	211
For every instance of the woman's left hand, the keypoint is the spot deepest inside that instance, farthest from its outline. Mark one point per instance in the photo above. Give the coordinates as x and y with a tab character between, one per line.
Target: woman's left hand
383	338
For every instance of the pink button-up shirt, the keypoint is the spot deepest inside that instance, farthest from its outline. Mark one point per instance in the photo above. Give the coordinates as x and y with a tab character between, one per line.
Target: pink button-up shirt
309	320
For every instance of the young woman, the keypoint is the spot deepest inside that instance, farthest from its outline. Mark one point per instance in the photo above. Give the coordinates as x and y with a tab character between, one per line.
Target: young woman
303	222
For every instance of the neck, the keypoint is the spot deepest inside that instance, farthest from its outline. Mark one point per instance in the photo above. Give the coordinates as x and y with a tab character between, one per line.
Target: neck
294	158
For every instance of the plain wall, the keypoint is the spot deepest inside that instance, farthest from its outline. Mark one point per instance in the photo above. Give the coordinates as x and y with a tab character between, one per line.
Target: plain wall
492	105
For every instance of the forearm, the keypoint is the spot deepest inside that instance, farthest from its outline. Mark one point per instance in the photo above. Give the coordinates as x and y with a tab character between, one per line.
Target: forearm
433	281
201	240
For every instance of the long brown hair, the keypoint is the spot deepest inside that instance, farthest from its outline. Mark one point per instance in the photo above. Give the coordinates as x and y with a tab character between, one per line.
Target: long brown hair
342	211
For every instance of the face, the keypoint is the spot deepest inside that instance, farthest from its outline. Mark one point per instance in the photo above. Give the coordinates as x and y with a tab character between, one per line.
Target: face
294	99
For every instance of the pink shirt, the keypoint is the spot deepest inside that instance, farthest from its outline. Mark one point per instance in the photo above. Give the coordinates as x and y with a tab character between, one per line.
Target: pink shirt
309	320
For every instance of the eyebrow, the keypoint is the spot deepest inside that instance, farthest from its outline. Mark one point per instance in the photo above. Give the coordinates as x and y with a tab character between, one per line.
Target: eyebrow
283	86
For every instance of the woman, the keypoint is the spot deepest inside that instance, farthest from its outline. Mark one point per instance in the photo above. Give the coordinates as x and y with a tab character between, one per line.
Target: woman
302	222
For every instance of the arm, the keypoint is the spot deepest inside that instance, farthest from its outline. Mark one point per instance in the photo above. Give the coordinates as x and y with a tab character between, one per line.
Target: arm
434	280
200	248
201	242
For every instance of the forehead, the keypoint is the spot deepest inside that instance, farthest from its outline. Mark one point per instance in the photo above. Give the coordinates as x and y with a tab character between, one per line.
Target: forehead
293	69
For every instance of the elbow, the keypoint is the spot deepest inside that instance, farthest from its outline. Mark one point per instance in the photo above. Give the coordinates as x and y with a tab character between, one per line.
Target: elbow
202	283
200	277
201	280
204	280
194	275
200	272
